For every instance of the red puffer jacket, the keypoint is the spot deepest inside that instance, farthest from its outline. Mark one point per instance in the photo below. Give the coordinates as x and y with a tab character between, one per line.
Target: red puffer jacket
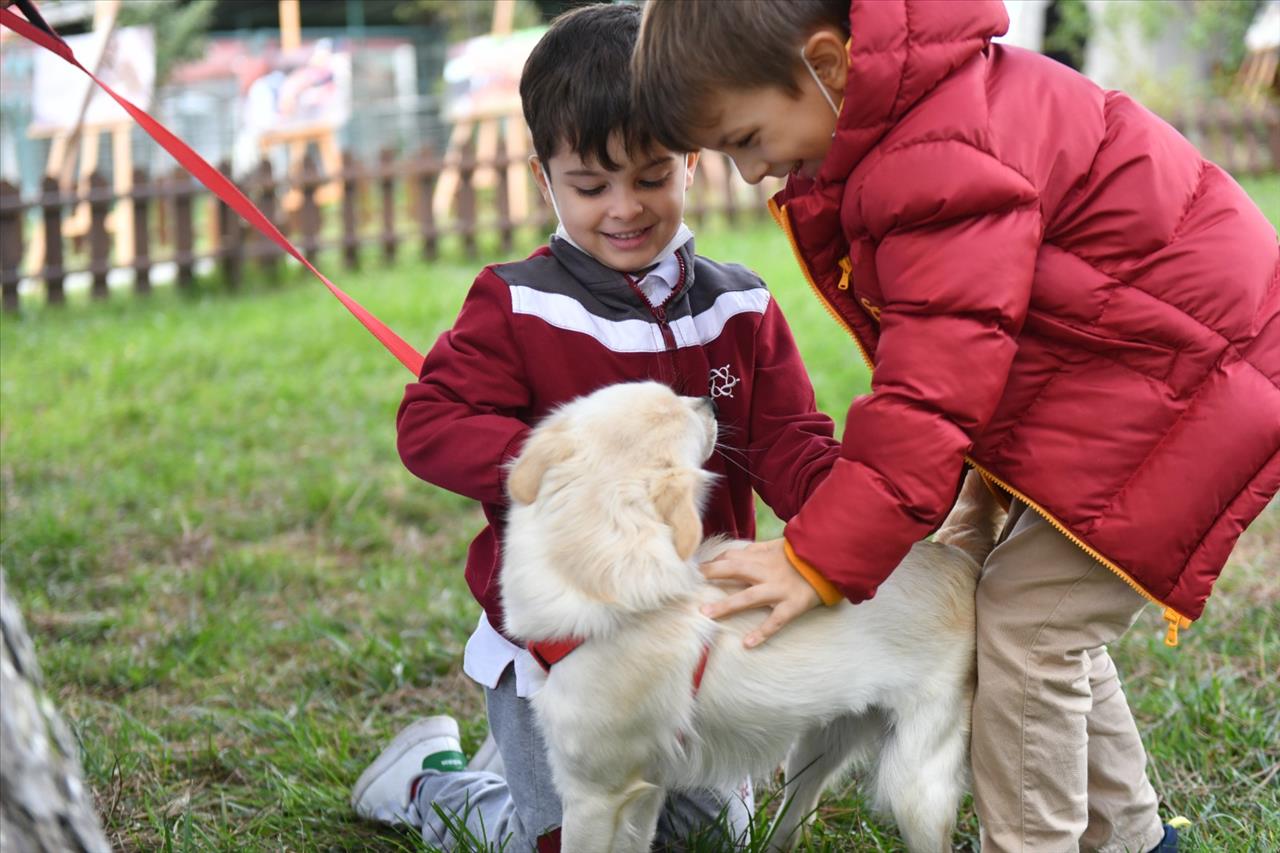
1050	281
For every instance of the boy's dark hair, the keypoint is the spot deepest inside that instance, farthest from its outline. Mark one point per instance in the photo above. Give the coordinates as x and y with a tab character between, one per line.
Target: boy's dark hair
576	85
688	49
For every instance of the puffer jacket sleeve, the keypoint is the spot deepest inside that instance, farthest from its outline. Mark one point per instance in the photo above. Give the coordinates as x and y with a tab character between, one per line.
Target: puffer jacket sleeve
791	445
459	424
956	235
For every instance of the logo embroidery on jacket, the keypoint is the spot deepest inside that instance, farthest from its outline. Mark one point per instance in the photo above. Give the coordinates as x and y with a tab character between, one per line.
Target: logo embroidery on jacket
722	382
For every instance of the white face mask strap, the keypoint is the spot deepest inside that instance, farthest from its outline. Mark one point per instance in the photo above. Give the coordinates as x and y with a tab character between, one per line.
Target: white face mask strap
821	88
561	231
546	176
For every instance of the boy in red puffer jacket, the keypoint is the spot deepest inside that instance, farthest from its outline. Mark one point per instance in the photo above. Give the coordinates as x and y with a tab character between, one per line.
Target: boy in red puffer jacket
1052	286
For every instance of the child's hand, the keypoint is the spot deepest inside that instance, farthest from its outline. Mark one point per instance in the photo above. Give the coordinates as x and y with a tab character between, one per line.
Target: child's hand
771	582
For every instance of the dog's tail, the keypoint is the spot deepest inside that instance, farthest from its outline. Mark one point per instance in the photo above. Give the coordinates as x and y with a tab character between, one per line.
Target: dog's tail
974	522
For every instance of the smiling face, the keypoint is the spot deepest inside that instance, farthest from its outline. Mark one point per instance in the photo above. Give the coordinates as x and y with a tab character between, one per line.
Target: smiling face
773	132
622	217
770	133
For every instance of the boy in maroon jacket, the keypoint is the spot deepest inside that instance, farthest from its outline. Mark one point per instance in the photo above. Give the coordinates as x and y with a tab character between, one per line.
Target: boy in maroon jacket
617	296
1052	286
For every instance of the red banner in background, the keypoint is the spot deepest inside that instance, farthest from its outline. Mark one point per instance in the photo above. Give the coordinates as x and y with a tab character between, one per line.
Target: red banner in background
219	185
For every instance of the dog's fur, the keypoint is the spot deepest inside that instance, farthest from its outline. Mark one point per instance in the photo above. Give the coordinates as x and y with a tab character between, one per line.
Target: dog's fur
604	544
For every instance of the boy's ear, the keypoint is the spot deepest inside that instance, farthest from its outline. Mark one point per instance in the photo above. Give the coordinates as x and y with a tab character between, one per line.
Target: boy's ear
826	52
690	166
539	177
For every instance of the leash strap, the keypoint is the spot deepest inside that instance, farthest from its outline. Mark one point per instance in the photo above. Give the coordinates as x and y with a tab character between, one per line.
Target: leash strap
216	182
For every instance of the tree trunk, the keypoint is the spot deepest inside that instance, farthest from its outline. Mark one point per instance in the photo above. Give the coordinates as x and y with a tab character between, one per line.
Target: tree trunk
44	805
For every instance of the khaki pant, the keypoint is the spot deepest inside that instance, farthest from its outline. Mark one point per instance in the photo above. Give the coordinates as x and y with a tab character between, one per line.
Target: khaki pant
1057	762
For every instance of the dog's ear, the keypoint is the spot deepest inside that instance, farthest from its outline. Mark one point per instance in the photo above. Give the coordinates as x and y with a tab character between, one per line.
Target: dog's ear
547	447
675	498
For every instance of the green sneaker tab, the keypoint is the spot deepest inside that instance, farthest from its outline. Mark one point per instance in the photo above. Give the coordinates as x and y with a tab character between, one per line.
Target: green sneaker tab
448	761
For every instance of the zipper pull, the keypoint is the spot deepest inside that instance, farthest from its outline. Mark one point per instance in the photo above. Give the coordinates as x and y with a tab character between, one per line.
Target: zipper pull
1175	621
661	314
846	270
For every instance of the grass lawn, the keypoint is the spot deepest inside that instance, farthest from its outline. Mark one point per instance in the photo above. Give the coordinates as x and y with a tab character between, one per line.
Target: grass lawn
238	593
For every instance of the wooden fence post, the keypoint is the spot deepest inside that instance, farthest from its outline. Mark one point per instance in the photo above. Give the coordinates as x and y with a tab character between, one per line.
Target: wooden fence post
309	213
427	172
99	239
350	212
466	210
502	197
230	239
730	193
696	203
183	226
263	186
387	187
762	200
1271	139
51	208
142	195
11	214
164	210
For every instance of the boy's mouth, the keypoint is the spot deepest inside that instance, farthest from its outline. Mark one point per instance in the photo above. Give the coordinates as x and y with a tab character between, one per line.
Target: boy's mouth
624	240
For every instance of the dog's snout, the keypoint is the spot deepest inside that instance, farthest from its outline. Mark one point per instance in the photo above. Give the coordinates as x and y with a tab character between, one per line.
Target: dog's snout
711	404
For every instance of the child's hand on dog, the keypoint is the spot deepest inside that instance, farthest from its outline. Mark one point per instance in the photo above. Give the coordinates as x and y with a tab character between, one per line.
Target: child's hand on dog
770	581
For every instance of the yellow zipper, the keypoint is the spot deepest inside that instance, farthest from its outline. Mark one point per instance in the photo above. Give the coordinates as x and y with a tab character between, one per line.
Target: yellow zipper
780	216
1175	619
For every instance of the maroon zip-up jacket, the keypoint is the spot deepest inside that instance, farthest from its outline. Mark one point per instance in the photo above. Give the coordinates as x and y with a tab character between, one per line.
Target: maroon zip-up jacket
537	333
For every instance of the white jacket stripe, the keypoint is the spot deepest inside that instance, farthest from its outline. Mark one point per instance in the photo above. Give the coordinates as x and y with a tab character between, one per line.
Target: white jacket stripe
565	312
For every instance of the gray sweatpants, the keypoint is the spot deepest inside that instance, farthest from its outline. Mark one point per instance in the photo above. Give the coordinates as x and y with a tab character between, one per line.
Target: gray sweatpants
524	805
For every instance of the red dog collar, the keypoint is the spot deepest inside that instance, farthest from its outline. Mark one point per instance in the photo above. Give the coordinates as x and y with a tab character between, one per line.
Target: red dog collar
551	652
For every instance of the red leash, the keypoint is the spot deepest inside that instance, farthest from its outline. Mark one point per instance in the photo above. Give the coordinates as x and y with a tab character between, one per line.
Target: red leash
217	183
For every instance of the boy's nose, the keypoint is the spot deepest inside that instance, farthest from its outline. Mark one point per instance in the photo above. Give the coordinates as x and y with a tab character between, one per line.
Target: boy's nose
625	206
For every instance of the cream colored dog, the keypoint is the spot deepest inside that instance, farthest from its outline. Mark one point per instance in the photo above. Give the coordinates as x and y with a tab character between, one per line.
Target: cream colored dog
603	546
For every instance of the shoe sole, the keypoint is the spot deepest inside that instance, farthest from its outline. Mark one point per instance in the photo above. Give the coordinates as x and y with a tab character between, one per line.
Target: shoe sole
408	738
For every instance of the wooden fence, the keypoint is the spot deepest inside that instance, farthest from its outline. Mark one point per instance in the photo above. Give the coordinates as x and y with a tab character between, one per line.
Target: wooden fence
1243	140
387	205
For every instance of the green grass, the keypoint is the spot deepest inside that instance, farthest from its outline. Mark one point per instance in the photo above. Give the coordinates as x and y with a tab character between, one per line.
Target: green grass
238	593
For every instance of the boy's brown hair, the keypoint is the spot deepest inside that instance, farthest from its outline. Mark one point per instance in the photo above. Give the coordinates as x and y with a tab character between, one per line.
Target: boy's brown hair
690	48
575	88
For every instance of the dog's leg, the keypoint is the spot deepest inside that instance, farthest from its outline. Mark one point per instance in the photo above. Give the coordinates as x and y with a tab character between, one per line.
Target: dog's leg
922	769
638	818
816	757
597	821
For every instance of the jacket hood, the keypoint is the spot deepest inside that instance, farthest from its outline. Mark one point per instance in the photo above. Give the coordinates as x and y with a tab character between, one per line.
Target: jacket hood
898	51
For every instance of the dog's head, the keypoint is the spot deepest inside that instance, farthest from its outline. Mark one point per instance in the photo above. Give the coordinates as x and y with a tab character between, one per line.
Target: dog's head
606	494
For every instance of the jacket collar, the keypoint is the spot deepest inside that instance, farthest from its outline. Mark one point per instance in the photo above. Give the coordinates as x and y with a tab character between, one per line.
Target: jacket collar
899	50
597	276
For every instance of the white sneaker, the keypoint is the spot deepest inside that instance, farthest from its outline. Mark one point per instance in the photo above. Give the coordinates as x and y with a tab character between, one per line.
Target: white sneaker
487	757
382	791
